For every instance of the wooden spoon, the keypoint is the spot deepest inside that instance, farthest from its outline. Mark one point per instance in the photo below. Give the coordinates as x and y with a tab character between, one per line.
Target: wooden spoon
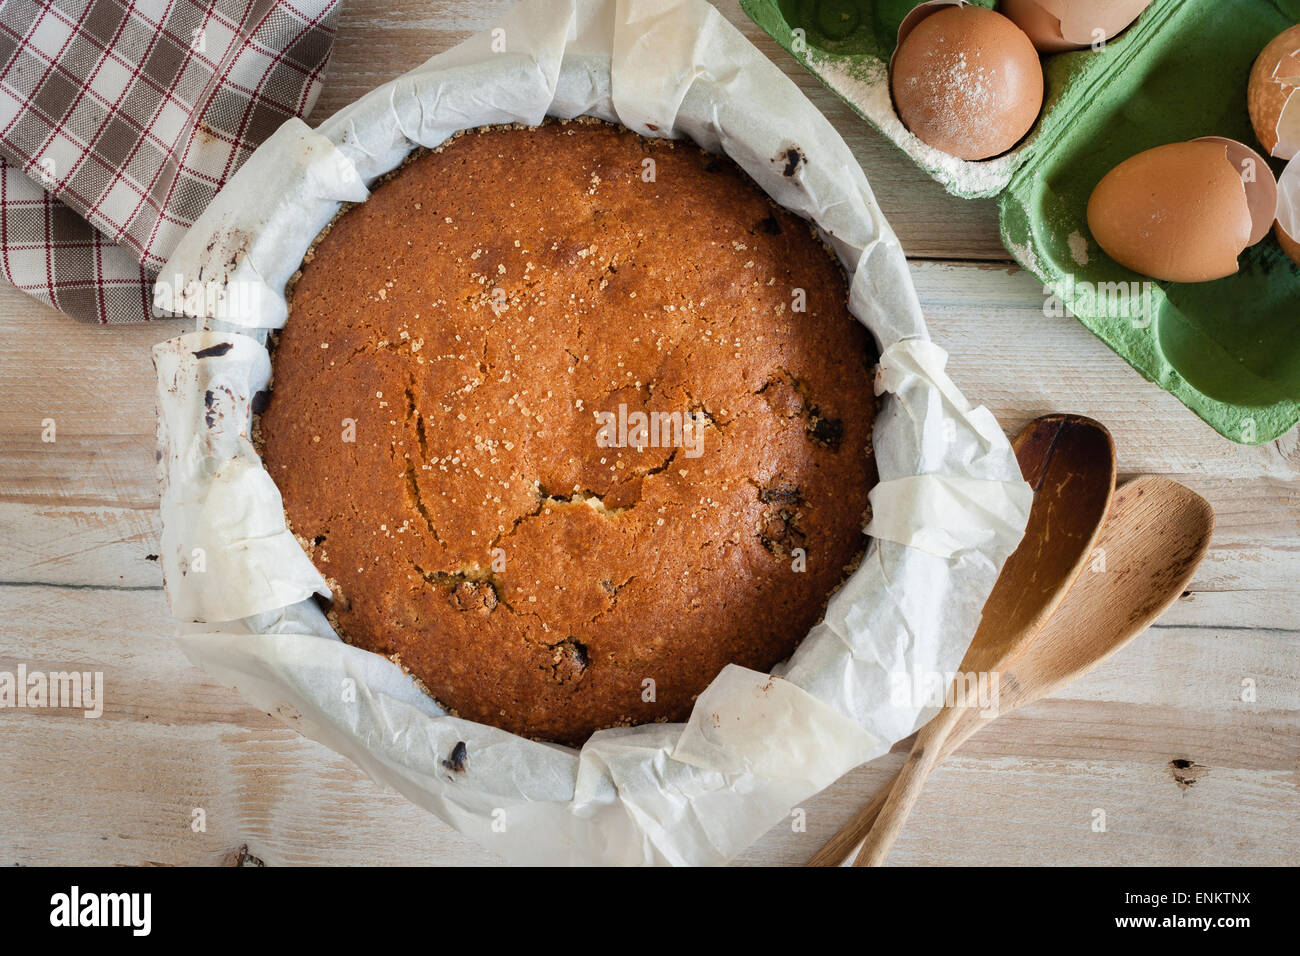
1154	538
1069	461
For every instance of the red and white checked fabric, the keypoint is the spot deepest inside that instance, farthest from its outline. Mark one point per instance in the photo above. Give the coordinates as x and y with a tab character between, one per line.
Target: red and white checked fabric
120	120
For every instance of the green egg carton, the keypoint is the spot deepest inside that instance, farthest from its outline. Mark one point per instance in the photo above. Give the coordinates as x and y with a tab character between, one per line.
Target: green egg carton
1229	349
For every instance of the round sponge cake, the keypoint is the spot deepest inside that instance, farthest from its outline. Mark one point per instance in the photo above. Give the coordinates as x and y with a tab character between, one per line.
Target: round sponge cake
571	419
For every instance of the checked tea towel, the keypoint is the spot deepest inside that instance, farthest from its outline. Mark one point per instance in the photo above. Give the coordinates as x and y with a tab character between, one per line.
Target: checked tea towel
120	120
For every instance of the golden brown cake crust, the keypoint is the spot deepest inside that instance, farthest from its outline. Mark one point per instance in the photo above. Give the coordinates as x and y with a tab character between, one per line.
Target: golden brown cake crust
472	318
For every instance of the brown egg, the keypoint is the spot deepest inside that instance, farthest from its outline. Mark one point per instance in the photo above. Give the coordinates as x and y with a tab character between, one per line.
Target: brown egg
1270	95
1184	212
967	81
1058	25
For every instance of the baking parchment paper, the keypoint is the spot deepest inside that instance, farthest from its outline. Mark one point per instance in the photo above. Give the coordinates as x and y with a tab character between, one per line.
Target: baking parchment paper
950	505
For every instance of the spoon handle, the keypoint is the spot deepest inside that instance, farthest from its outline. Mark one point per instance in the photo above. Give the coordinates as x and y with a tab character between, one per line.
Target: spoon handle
926	752
849	837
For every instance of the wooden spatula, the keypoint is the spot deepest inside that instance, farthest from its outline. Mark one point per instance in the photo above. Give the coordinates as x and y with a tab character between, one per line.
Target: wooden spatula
1153	540
1069	461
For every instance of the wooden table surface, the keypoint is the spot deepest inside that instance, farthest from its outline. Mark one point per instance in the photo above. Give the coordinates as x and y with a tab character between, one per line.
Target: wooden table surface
1159	738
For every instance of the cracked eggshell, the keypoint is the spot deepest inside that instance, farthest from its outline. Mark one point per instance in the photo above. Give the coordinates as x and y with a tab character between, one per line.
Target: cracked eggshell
1271	95
965	80
1288	210
1257	181
1177	212
919	13
1058	25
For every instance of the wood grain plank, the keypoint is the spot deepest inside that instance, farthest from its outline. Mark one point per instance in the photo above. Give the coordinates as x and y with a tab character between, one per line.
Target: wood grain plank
1019	812
83	509
122	788
171	740
379	40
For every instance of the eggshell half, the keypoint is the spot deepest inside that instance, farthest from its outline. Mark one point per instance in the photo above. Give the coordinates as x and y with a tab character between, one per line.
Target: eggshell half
1176	213
915	16
920	12
1257	179
967	81
1271	95
1058	25
1288	210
